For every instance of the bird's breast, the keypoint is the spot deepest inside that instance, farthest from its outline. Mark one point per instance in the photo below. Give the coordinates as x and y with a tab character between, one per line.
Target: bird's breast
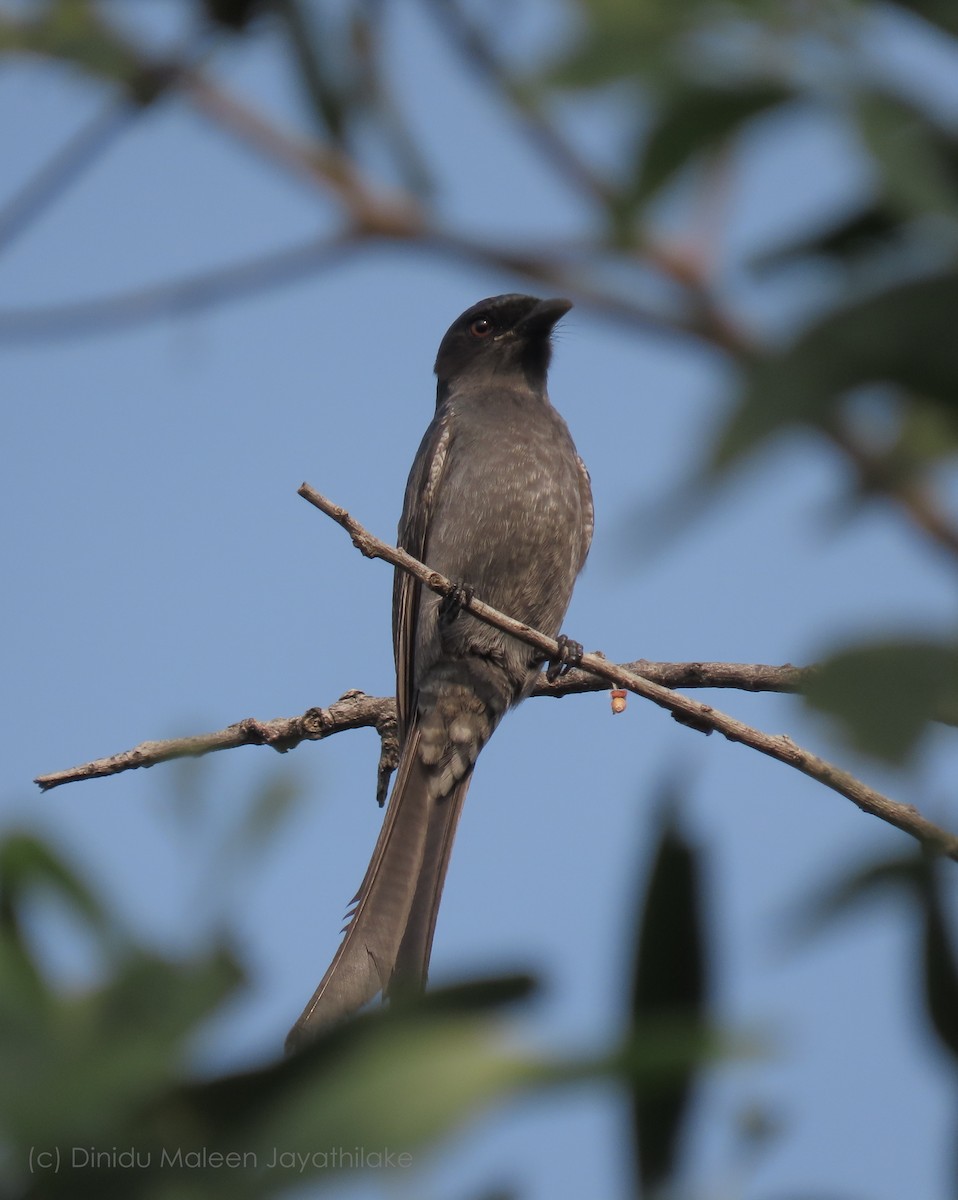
508	517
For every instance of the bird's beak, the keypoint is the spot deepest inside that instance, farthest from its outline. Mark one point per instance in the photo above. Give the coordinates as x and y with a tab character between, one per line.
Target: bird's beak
540	321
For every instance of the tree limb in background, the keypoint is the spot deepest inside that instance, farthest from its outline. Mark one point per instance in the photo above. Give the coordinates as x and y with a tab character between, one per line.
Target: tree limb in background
367	212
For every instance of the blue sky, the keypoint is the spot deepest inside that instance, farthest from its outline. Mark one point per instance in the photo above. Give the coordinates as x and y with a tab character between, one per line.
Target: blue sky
163	577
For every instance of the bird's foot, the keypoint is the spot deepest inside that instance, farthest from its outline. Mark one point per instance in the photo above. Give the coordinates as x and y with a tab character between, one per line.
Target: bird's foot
452	605
569	656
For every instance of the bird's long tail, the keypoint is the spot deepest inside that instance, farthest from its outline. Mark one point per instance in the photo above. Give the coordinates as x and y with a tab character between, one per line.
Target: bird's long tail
412	960
390	930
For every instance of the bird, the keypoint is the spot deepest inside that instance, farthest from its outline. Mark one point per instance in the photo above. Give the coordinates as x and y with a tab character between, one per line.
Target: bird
499	501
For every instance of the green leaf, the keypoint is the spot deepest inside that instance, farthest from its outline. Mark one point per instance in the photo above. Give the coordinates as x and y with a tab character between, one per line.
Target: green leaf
618	40
669	990
325	66
72	30
266	810
79	1066
928	432
853	235
941	965
697	120
917	163
903	336
885	693
853	890
633	39
389	1080
30	870
917	157
27	866
942	13
919	876
232	14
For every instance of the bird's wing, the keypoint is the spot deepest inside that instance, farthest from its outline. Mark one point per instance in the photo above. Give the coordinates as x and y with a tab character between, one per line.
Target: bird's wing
366	958
588	510
424	481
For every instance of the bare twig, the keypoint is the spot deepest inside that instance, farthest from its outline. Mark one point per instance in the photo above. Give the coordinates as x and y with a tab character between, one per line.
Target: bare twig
686	710
356	710
742	677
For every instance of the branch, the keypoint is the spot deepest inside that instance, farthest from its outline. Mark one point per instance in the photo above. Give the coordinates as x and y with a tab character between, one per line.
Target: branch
356	710
742	677
130	307
686	710
369	212
369	209
63	168
877	473
204	289
373	212
471	44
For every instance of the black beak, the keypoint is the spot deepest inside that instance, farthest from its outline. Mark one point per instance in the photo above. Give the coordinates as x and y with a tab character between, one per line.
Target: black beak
541	320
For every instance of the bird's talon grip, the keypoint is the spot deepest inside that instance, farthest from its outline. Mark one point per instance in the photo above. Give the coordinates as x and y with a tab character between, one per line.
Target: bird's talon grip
569	655
452	605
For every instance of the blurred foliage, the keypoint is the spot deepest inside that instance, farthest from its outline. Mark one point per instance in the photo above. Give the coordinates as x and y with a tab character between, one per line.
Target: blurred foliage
885	695
692	82
75	32
669	985
98	1095
920	880
901	337
107	1070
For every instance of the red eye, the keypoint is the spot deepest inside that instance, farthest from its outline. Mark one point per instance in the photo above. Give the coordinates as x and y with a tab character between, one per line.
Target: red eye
481	327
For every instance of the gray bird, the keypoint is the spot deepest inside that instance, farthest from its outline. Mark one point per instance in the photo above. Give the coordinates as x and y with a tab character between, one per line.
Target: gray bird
499	501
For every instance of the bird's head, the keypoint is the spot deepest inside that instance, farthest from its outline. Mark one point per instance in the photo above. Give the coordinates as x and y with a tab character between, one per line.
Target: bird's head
501	335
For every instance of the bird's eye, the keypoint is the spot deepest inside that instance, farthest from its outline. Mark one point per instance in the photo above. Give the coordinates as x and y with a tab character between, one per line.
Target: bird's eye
481	327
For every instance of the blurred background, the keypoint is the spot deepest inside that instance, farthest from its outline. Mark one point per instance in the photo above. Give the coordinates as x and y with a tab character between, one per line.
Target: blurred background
232	236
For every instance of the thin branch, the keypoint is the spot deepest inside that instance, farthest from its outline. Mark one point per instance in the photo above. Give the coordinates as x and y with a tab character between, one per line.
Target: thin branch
188	294
542	267
370	210
742	677
372	213
64	167
542	133
275	268
686	710
356	710
877	474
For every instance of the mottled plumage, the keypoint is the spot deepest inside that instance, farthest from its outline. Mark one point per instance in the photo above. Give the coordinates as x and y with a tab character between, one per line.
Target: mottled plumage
499	501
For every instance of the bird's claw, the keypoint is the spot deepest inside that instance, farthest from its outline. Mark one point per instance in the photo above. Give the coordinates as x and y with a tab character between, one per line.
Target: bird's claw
452	605
569	655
